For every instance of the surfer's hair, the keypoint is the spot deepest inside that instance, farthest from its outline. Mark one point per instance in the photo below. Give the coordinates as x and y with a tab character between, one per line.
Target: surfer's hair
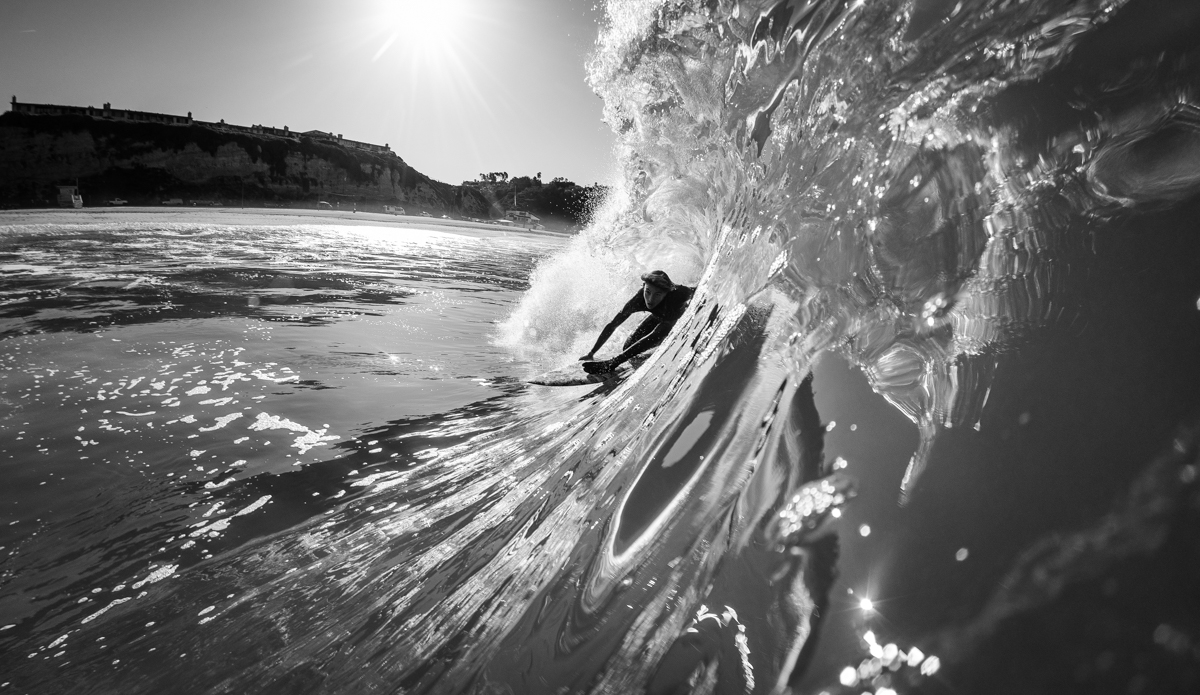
659	279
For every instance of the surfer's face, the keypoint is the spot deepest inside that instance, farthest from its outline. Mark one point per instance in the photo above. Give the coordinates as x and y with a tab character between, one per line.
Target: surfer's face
652	294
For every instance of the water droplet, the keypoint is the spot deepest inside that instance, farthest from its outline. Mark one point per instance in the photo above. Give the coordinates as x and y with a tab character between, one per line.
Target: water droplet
961	554
864	530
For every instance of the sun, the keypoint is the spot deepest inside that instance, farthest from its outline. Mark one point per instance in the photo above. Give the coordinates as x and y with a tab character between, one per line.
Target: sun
423	29
436	57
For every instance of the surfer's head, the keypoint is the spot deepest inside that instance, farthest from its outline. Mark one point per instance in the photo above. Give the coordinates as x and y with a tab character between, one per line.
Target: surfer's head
655	286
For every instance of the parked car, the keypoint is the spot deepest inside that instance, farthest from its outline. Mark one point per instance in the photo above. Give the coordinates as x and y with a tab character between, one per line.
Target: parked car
322	205
394	209
118	201
173	201
425	214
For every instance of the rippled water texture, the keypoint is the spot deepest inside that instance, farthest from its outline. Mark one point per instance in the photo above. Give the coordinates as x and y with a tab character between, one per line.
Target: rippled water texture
929	424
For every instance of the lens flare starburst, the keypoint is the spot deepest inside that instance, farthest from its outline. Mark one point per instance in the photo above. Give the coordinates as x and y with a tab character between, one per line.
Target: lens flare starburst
438	55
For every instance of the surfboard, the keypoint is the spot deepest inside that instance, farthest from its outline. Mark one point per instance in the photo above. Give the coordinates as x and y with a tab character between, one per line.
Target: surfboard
573	374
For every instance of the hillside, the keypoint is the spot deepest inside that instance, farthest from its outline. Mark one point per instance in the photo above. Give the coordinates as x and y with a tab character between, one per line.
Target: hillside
147	163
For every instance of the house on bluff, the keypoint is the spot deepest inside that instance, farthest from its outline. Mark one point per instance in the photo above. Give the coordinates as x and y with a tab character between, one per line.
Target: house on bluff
108	113
322	136
128	116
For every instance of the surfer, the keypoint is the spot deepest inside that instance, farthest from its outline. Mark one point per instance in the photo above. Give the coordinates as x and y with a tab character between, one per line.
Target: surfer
665	301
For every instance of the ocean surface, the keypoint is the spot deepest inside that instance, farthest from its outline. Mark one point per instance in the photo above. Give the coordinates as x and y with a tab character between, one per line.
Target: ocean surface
930	424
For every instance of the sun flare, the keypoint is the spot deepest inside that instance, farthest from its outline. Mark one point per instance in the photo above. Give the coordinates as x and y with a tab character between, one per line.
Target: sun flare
421	29
437	57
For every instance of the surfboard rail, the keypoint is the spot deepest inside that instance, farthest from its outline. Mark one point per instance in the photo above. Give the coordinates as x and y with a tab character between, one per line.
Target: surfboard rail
573	374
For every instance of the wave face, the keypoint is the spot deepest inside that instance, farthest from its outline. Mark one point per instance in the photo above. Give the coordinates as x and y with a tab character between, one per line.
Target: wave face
911	185
869	170
906	184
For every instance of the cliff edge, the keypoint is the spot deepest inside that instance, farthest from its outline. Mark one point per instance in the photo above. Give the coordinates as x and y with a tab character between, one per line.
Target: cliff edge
149	163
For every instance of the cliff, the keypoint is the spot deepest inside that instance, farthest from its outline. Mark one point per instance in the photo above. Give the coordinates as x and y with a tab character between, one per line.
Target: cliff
146	163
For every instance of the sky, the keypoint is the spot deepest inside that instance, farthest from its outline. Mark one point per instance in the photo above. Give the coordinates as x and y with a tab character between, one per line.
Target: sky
455	87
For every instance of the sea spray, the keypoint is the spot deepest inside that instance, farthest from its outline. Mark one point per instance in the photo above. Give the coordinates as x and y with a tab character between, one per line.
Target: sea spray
576	291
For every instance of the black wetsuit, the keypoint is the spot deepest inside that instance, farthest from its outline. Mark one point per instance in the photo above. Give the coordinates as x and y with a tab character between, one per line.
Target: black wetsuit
655	327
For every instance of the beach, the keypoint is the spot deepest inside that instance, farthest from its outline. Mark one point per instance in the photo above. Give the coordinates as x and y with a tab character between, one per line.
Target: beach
252	216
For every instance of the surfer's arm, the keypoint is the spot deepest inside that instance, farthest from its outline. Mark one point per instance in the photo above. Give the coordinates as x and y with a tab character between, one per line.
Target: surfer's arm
626	311
649	342
606	334
654	337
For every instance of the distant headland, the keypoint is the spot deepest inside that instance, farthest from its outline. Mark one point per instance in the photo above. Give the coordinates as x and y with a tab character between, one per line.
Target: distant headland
145	158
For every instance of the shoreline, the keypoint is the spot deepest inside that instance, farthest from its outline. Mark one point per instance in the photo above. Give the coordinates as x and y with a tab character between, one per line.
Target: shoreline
256	216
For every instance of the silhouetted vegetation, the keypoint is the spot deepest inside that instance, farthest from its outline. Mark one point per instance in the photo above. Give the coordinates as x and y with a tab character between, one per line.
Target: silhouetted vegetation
560	200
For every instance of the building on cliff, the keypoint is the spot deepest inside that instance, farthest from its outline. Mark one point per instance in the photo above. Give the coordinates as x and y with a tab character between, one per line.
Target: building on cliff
127	116
107	113
322	136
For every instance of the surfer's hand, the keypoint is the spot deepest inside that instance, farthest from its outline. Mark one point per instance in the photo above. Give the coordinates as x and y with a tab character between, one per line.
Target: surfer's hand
588	357
601	367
